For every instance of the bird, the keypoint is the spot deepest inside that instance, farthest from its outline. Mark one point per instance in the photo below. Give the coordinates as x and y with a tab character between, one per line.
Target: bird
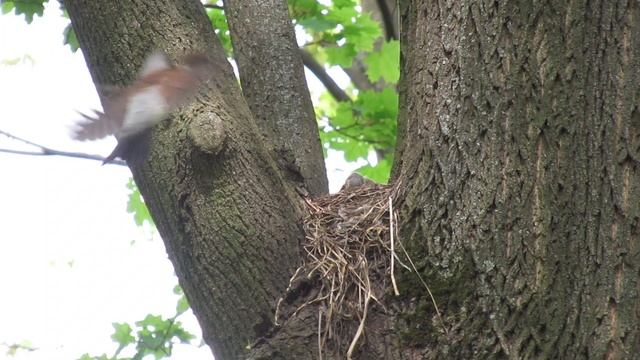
158	90
356	180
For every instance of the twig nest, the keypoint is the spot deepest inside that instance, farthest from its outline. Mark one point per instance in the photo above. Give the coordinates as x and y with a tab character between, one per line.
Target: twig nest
348	247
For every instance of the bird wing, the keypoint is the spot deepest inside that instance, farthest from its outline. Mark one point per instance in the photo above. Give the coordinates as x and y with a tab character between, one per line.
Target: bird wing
93	127
144	109
102	123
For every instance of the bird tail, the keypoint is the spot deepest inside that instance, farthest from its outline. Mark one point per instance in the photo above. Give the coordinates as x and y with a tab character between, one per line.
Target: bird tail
119	151
92	127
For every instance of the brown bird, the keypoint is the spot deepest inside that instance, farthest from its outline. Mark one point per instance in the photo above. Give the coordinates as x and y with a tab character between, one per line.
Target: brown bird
356	180
159	89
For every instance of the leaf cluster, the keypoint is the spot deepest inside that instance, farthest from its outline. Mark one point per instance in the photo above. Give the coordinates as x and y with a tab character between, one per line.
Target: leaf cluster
339	35
153	335
136	205
28	8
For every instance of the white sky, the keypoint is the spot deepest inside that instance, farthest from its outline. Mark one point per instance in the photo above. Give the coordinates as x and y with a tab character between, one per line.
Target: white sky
67	265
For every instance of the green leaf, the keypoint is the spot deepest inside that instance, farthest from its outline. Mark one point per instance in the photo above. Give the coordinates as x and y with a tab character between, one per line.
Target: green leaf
219	22
177	290
305	9
6	7
136	205
344	3
343	116
379	173
89	357
184	336
317	24
352	149
122	334
183	305
24	59
11	62
154	321
150	342
384	63
341	55
70	38
28	8
342	15
378	104
363	32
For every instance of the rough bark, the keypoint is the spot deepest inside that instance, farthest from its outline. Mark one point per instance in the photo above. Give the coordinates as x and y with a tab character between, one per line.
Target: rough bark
273	82
230	225
518	150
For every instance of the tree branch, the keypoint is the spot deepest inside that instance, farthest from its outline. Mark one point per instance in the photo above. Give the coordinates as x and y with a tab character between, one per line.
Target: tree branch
273	83
213	6
358	76
319	71
45	151
387	20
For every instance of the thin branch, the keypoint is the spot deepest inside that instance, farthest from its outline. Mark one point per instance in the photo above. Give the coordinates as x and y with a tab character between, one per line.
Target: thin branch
357	74
319	71
213	6
387	20
45	151
353	137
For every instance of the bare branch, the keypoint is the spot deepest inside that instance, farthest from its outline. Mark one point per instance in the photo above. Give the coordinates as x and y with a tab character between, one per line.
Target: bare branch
319	71
358	76
387	20
213	6
45	151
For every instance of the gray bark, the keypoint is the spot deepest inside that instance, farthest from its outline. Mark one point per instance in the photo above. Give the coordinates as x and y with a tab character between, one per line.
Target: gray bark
229	223
273	82
518	148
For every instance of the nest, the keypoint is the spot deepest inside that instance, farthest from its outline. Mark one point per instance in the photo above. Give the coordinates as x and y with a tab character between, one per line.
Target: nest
350	249
351	242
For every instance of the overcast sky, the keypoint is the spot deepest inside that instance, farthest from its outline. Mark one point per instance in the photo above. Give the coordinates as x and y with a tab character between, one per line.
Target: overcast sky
72	260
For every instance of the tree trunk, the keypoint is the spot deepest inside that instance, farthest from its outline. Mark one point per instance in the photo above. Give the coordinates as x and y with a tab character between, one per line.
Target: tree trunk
518	151
231	226
516	179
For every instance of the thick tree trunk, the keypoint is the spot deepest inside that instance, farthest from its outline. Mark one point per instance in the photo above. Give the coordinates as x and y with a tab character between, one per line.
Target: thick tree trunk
518	148
230	225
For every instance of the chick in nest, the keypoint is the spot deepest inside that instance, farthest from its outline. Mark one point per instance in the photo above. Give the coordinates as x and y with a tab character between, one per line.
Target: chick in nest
356	180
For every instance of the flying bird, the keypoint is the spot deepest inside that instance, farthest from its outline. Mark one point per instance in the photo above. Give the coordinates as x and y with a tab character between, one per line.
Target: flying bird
159	89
